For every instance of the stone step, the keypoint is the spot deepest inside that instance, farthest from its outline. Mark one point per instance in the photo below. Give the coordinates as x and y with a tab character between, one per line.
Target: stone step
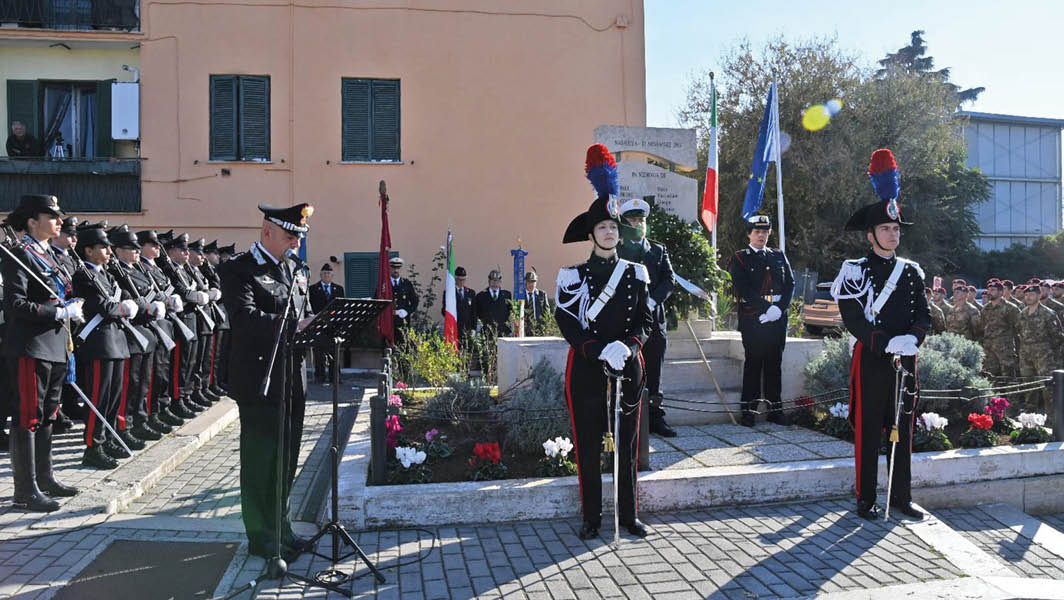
704	407
703	329
692	374
680	347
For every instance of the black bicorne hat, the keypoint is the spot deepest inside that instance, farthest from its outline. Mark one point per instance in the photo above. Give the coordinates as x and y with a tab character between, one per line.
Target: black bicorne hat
293	218
601	170
604	208
883	174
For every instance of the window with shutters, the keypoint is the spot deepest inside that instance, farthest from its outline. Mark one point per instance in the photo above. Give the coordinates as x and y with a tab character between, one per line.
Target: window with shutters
360	273
240	117
65	119
370	120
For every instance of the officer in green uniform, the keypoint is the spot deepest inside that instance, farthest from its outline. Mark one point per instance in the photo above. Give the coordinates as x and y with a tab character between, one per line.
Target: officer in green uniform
1040	340
1000	323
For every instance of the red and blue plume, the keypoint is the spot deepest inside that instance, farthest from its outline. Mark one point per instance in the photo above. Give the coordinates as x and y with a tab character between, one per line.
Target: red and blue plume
601	170
883	171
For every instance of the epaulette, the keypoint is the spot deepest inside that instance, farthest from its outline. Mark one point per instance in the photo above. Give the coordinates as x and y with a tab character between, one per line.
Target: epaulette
568	277
641	272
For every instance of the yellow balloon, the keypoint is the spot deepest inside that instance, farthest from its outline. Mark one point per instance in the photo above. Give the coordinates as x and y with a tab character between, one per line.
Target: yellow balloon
815	118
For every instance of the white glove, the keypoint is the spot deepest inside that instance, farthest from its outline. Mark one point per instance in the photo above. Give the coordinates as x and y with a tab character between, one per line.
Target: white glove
905	345
651	303
201	298
157	310
127	308
175	303
772	314
615	354
215	294
402	313
72	311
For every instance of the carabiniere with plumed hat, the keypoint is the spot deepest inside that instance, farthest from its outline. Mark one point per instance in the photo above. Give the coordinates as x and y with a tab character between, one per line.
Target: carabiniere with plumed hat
603	312
883	305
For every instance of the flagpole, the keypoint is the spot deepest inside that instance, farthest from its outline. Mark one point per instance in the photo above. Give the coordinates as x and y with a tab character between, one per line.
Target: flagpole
779	169
712	142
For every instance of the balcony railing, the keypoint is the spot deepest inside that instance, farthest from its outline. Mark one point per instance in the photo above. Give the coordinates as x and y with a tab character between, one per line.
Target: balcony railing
77	15
82	186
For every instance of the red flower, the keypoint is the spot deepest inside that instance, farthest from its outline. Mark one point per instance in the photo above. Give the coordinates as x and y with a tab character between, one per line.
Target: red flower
803	401
486	451
979	421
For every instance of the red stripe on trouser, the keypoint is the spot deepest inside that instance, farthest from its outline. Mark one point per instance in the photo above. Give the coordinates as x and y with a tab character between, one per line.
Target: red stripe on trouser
638	419
151	383
90	426
214	351
572	420
855	407
121	418
27	392
177	371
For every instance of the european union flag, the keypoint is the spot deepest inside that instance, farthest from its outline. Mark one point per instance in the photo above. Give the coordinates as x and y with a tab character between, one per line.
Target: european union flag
766	152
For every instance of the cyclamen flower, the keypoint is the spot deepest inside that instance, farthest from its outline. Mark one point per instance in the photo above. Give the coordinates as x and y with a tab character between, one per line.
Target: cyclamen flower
488	451
409	456
395	400
1032	420
399	385
564	446
550	447
392	424
979	421
932	421
840	410
431	434
996	407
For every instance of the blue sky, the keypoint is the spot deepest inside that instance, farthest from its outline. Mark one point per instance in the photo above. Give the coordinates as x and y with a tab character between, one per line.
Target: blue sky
1015	49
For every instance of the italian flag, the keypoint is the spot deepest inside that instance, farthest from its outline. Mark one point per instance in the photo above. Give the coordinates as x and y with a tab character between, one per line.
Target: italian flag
708	214
450	301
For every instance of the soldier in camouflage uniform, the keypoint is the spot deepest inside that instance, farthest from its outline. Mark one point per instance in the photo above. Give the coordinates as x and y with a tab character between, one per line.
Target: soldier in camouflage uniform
1040	339
940	299
1057	289
938	318
962	318
1052	302
1000	323
1008	296
972	295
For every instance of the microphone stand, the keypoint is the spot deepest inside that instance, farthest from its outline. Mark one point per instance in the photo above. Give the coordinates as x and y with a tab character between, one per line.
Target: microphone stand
277	567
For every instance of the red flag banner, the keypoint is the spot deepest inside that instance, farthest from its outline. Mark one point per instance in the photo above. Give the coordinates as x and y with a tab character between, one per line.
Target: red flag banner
386	321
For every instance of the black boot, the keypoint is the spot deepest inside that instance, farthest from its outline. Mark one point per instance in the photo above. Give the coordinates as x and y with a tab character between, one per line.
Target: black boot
134	442
167	416
96	456
45	477
197	402
907	509
143	431
636	528
218	391
209	393
159	425
5	440
179	408
658	426
589	530
62	423
868	510
27	494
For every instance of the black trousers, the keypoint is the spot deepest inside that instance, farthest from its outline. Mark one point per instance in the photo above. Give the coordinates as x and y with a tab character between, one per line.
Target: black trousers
163	378
872	405
103	385
261	437
185	355
221	357
762	368
654	358
323	361
138	371
201	374
586	392
38	388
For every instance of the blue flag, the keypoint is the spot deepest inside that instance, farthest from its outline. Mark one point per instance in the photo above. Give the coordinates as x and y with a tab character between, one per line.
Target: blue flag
766	152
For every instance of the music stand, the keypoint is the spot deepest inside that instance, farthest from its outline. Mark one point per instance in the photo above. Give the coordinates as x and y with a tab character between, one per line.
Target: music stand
336	324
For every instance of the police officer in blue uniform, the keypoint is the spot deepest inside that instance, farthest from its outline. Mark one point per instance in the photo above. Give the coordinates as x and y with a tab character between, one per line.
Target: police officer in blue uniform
763	284
603	313
882	302
637	248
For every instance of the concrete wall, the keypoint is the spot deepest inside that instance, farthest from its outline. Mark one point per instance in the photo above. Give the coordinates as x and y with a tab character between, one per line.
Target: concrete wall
497	111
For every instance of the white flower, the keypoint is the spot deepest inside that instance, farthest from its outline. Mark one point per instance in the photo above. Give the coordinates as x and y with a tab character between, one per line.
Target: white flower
932	421
1032	420
840	410
409	456
550	447
564	446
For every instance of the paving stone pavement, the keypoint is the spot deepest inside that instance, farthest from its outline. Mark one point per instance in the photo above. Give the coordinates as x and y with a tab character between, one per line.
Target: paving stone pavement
1022	555
768	551
697	446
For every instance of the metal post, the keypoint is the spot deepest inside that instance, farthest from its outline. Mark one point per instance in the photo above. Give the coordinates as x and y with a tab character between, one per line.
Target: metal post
644	433
378	450
1058	405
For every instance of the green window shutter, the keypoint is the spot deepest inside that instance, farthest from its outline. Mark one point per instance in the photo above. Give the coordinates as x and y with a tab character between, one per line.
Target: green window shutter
385	120
23	104
105	146
254	117
360	273
354	113
223	117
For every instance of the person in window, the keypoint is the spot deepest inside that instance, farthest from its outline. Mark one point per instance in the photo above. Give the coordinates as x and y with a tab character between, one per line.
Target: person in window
493	306
321	293
21	144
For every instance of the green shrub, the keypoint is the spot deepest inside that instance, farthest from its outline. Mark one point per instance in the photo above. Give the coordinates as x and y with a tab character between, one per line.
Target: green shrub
966	352
831	370
424	357
463	403
1031	435
927	441
537	412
